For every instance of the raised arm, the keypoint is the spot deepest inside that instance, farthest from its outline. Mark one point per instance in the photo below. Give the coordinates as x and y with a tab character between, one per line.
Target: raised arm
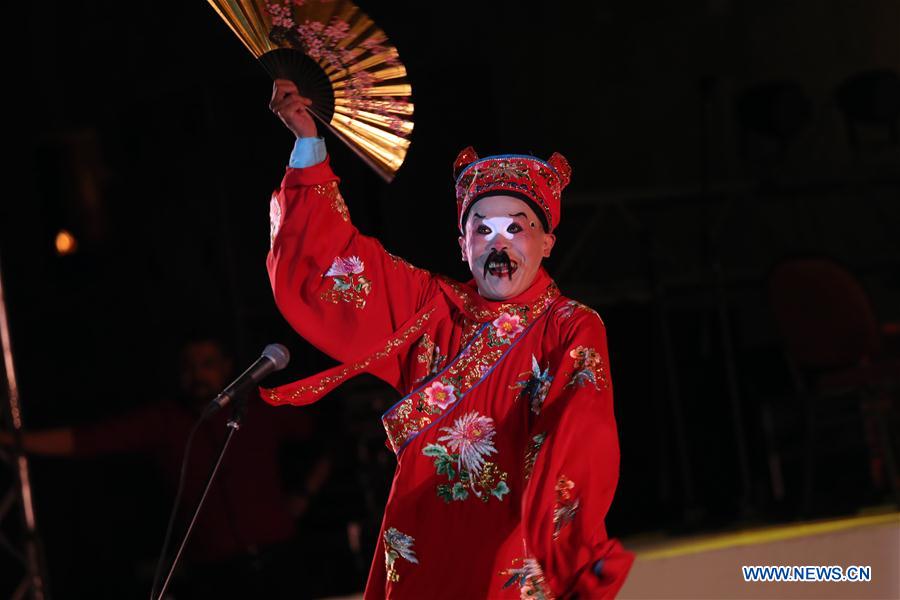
336	287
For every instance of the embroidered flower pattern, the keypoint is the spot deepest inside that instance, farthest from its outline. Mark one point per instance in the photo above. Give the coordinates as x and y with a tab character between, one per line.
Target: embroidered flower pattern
274	219
481	352
352	265
440	395
472	437
530	579
480	370
535	386
505	169
397	545
589	368
462	460
349	285
527	175
507	326
566	506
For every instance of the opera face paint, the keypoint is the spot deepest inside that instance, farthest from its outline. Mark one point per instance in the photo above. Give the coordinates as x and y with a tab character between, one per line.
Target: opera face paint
498	225
503	246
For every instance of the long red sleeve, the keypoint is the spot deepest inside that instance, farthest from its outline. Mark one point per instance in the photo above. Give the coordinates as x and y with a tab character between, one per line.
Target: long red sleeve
339	289
575	474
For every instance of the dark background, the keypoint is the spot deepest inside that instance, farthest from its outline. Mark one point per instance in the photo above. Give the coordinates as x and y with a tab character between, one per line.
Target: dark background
143	129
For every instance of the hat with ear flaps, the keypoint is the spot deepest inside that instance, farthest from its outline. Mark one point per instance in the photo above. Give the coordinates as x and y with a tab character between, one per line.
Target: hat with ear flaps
536	181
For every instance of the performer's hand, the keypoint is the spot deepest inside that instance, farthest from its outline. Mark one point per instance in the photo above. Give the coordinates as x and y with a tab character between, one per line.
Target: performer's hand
290	107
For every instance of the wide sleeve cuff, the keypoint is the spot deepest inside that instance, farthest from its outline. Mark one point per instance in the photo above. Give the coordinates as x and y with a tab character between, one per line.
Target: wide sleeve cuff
308	151
604	577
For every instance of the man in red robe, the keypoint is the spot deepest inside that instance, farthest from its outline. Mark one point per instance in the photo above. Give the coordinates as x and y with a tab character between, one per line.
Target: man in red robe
506	444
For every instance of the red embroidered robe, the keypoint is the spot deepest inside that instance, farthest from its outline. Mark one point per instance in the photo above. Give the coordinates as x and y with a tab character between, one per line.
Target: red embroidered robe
507	453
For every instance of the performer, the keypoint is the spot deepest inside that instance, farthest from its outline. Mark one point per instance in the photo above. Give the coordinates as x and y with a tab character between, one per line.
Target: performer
506	444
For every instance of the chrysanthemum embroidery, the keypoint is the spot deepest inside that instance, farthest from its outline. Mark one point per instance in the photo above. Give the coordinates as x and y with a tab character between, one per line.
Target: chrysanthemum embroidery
588	368
349	285
566	506
274	219
530	579
505	329
397	545
535	385
462	459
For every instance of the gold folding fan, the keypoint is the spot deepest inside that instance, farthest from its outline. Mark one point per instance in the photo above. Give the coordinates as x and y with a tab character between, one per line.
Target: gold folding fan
341	61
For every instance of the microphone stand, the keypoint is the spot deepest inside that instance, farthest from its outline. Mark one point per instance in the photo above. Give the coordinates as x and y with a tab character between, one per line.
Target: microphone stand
240	407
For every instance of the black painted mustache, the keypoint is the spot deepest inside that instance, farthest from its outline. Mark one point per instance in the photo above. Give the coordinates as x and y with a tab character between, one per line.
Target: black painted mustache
498	256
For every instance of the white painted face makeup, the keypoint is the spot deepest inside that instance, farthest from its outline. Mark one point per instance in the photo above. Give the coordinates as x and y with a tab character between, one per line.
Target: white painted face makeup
524	245
498	225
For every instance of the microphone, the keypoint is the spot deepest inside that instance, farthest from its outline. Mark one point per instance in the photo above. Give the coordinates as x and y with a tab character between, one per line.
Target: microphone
274	358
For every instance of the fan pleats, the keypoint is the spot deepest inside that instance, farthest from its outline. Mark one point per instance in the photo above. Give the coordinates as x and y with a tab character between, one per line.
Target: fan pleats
339	59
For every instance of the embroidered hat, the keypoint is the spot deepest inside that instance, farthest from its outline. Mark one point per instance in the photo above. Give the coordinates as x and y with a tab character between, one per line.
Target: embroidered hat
536	181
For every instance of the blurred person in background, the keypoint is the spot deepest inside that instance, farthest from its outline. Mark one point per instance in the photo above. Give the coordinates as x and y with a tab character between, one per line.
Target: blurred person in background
244	543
